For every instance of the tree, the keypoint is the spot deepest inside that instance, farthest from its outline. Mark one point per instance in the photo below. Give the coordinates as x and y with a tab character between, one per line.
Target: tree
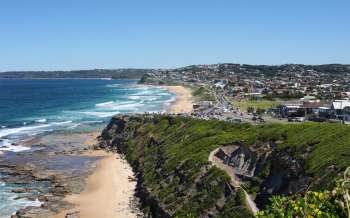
250	110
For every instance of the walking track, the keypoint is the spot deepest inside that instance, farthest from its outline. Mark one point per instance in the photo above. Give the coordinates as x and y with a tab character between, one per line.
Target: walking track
234	182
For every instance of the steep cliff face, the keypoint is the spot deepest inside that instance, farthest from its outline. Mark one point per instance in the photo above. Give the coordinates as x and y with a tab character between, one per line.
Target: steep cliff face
151	79
278	172
116	133
244	161
170	157
168	187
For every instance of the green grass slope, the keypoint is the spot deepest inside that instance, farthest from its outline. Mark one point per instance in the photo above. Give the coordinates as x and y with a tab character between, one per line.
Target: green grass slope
172	155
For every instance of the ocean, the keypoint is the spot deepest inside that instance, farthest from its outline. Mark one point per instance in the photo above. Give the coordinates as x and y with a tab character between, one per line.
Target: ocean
32	107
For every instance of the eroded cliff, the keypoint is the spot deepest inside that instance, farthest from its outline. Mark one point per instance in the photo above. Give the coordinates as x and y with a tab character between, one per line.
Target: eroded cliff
175	178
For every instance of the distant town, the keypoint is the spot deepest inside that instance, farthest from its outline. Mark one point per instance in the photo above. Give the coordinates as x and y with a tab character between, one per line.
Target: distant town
241	92
260	93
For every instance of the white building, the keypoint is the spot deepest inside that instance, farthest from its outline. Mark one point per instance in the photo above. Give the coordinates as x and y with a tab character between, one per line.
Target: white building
341	109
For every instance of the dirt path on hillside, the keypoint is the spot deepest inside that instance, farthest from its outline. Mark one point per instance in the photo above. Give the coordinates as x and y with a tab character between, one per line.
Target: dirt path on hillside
234	182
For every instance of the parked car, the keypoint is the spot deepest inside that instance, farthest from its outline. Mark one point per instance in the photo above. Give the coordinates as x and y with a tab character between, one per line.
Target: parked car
300	119
317	119
296	119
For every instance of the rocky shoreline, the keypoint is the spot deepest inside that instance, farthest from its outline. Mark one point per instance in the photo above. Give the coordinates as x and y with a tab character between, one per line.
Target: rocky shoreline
59	160
113	183
48	172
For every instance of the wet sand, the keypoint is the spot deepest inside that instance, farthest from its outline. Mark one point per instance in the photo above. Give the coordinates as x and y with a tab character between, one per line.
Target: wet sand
109	192
183	102
110	189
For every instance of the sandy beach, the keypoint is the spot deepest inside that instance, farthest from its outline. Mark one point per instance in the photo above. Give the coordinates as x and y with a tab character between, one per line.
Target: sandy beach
108	192
183	102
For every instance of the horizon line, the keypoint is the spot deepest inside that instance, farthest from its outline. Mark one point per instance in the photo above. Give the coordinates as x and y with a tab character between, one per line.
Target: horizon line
166	68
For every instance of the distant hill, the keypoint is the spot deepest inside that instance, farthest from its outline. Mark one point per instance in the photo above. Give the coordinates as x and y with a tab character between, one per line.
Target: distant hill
220	69
96	73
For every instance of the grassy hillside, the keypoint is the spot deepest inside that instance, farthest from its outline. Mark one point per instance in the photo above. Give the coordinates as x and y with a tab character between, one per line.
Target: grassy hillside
171	154
330	144
203	94
261	104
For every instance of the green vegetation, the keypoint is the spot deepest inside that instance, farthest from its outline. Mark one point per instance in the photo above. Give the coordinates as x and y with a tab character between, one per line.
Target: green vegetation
172	155
329	144
333	203
204	94
245	104
283	96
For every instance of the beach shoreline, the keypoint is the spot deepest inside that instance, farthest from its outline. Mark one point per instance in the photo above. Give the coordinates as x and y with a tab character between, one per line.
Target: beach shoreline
113	182
109	190
183	102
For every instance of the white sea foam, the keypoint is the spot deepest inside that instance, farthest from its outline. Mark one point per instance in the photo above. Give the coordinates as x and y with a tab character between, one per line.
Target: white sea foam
117	106
6	145
35	203
41	121
14	148
164	94
74	126
104	104
100	114
30	130
145	92
12	204
138	99
144	97
63	123
25	131
2	183
171	99
115	85
18	130
93	121
128	107
130	86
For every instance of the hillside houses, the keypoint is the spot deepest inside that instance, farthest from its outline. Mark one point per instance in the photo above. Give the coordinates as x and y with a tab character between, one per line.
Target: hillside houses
316	110
316	89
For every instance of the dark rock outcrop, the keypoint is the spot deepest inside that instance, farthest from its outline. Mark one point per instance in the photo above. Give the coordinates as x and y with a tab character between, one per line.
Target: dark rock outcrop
116	137
265	170
285	175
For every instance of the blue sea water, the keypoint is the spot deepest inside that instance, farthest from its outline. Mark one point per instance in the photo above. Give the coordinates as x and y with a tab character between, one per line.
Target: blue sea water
11	202
32	107
29	107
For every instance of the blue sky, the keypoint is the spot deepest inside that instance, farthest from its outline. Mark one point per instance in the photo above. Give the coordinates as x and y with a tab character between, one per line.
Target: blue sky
85	34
